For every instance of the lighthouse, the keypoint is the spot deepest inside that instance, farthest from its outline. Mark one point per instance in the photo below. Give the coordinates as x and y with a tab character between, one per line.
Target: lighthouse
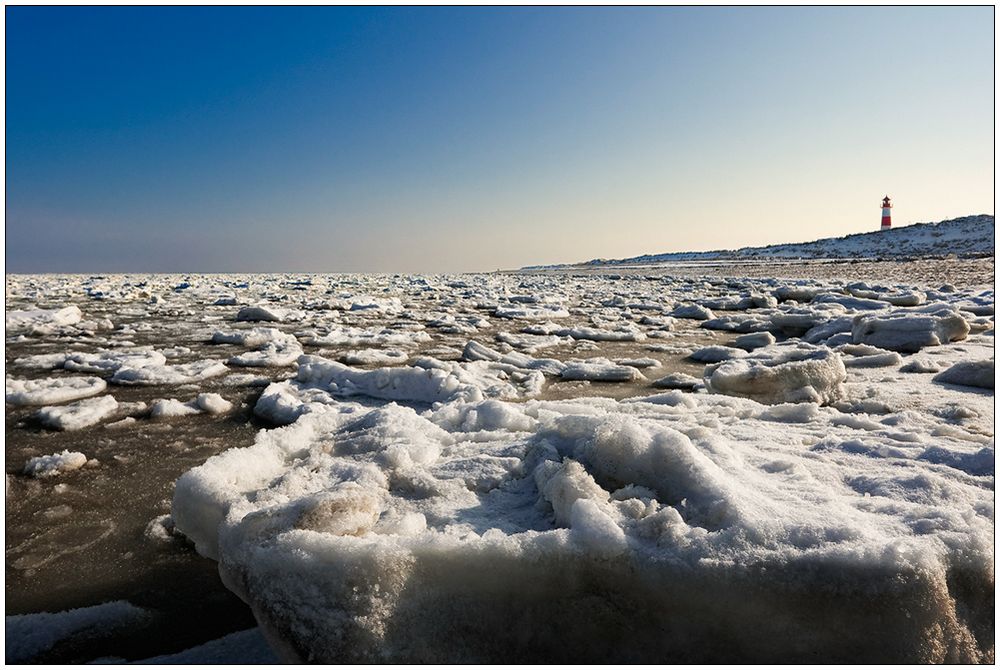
886	213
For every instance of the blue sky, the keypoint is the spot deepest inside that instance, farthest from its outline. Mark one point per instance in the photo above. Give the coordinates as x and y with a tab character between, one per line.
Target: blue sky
454	139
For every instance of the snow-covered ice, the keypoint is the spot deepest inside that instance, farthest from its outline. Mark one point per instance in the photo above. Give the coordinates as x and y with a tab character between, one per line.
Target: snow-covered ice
54	465
41	321
585	467
27	635
52	390
79	414
786	372
388	527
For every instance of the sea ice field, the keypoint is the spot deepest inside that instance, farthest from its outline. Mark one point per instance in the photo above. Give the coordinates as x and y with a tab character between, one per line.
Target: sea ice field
676	465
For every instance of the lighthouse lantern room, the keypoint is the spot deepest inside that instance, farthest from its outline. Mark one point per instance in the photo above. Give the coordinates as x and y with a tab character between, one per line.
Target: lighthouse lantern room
886	213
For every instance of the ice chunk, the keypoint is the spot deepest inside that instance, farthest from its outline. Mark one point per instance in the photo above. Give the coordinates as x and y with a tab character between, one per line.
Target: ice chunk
788	372
43	361
253	337
716	353
109	361
28	635
910	331
883	360
210	403
753	341
969	373
162	408
539	312
79	414
213	403
41	321
375	357
245	647
692	311
601	370
798	293
267	313
186	373
638	362
353	337
348	551
439	382
920	365
678	380
54	464
52	390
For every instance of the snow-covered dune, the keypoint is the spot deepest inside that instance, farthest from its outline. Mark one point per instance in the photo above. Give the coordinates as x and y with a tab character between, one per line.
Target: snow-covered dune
968	236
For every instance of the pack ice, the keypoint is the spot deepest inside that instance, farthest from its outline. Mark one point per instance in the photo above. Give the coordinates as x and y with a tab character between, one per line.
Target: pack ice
790	471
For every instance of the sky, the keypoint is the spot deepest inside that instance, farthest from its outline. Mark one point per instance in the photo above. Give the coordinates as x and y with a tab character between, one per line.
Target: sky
435	139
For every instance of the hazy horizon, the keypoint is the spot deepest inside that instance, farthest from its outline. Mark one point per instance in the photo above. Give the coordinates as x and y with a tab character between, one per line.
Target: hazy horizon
327	139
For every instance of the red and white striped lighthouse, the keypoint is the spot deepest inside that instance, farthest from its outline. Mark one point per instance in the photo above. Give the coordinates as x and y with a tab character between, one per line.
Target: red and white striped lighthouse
886	213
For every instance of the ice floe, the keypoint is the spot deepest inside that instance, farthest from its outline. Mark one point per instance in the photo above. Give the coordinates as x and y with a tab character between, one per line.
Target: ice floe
77	415
385	526
52	390
56	464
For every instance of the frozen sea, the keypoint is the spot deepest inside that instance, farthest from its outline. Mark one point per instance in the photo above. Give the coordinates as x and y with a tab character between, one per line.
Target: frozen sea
711	462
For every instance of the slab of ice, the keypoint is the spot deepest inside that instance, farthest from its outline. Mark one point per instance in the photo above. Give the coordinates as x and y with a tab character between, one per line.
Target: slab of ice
753	341
41	321
797	321
600	370
375	357
910	331
79	414
716	353
186	373
54	465
376	337
245	647
475	351
887	359
539	312
252	337
431	382
677	380
692	311
28	635
165	408
694	527
267	313
279	349
43	361
210	403
981	374
52	390
641	363
781	373
106	361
